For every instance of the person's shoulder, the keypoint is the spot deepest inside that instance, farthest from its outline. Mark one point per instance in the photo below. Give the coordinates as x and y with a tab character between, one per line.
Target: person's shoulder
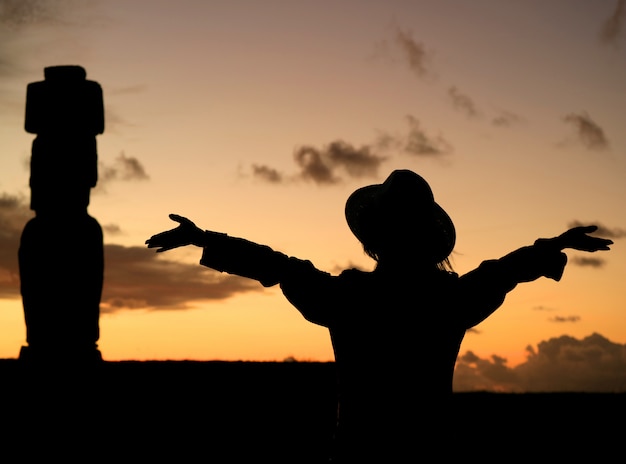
450	275
354	274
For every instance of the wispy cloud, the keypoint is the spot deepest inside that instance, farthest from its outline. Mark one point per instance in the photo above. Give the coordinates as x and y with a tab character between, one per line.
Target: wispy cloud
418	142
123	168
588	261
328	165
414	53
267	174
463	102
542	308
111	229
415	141
340	160
589	133
128	90
565	319
612	233
506	119
115	121
612	29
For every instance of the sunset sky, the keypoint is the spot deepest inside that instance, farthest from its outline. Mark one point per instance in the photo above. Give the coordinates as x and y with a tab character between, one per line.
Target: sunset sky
259	118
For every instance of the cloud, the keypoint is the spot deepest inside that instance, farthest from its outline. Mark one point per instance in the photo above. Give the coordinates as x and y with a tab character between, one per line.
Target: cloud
590	134
602	231
542	308
506	119
267	174
587	261
466	105
321	165
414	53
124	168
472	373
334	162
565	319
137	277
111	229
114	121
612	28
592	364
328	165
562	364
128	90
14	214
419	143
463	103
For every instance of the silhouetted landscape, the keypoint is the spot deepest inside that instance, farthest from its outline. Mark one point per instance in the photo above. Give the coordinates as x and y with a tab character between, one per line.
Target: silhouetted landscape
227	412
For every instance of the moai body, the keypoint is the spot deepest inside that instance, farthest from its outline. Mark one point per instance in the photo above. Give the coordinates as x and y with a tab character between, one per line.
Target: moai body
61	255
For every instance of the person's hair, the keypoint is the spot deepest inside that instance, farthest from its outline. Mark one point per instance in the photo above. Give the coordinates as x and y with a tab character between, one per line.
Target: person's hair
443	265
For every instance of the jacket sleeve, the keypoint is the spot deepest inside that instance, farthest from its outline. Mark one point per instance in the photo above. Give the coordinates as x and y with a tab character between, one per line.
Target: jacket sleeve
484	289
243	258
309	289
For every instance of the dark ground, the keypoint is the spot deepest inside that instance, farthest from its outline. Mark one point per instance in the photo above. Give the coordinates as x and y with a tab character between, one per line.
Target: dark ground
234	412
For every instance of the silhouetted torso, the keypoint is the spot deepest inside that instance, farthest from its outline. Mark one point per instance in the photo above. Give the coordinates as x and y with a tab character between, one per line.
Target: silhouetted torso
396	337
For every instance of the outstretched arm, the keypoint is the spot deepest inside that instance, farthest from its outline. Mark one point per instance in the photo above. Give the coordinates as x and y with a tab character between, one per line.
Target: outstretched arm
224	253
485	287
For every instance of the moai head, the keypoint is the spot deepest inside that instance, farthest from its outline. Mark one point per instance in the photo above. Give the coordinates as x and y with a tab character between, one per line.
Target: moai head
64	103
66	111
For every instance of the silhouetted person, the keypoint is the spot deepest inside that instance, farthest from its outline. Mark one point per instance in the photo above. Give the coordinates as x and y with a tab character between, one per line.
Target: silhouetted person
396	331
61	256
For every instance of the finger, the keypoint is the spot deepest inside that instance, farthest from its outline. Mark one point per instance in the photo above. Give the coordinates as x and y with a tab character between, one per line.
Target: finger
181	219
162	248
155	238
177	218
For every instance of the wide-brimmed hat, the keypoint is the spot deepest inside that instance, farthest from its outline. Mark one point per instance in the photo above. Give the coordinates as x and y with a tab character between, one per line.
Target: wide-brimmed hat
406	195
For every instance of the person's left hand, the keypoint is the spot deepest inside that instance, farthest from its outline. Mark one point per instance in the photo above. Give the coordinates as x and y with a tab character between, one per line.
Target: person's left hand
577	239
187	233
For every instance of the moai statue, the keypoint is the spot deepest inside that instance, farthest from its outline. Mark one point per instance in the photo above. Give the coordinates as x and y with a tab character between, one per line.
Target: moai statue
61	257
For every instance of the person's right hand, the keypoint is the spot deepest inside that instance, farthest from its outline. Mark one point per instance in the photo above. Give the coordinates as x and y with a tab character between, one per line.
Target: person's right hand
187	233
577	239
